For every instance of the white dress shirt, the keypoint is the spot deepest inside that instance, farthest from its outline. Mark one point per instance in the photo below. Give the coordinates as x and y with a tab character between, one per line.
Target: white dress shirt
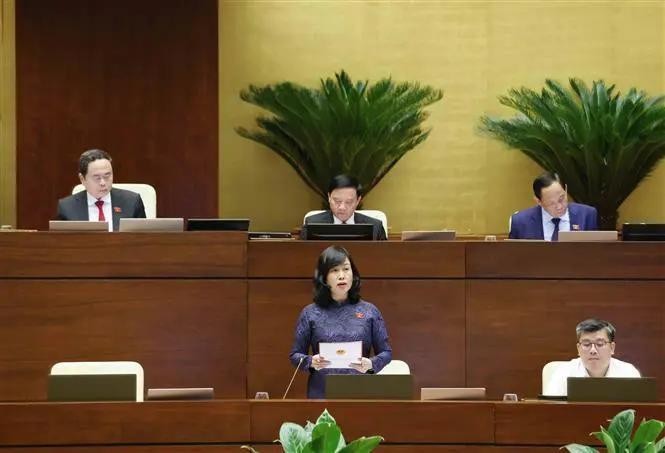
548	225
93	211
558	383
351	220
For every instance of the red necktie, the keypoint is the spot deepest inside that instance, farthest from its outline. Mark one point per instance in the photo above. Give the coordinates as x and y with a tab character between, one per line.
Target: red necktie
99	204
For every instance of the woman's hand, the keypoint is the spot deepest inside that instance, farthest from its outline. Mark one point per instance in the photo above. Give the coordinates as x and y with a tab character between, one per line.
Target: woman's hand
318	362
363	365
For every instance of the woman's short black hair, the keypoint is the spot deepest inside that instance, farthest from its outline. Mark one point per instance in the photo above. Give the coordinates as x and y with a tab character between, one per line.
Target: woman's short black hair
329	258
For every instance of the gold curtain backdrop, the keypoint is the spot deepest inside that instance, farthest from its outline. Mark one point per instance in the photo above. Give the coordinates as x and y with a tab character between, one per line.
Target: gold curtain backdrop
7	115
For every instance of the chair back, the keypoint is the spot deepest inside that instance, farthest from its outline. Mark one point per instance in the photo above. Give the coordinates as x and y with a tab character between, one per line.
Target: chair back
376	214
147	192
396	367
549	369
103	368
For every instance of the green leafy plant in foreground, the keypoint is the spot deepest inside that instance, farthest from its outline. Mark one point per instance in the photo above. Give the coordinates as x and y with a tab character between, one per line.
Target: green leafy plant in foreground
324	436
617	436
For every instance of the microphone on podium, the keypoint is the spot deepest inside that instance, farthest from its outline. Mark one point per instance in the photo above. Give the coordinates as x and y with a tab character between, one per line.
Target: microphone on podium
294	376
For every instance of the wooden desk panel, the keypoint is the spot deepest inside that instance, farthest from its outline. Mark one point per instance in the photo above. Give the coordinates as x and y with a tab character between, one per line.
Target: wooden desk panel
574	260
425	320
559	424
384	259
397	421
103	255
185	333
124	423
514	327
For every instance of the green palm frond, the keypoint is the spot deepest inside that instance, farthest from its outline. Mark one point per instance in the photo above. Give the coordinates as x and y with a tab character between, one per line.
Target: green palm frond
601	143
341	127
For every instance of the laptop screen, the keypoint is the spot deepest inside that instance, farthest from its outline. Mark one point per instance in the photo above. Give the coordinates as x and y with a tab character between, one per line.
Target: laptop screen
333	232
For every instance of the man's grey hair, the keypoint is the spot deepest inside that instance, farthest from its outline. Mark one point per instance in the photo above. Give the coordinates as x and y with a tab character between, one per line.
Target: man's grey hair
594	325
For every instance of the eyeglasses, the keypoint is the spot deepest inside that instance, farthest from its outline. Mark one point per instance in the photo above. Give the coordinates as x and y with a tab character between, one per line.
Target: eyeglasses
100	178
600	344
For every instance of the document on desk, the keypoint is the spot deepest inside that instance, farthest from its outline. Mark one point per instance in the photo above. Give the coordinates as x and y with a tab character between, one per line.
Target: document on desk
341	355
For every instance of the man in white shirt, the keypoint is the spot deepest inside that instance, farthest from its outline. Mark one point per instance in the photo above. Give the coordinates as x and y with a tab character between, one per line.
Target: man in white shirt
595	347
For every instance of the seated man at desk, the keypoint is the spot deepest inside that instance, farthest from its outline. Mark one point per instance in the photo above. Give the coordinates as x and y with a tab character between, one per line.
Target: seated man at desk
552	214
344	195
595	347
99	201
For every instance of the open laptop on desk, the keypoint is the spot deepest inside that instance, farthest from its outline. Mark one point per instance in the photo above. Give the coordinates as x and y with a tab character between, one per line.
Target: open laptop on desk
452	393
369	386
641	389
446	235
91	387
151	225
588	236
171	394
217	224
339	232
77	225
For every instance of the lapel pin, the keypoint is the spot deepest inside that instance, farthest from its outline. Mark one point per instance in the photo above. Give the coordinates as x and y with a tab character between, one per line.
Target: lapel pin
119	210
576	227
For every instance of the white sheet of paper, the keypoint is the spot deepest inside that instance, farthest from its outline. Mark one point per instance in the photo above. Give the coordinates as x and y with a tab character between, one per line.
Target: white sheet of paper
341	355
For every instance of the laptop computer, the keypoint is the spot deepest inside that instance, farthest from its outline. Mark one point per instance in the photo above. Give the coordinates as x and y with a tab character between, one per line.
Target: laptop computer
217	224
151	225
91	387
428	235
268	235
641	389
452	393
339	232
202	393
77	225
643	232
369	386
587	236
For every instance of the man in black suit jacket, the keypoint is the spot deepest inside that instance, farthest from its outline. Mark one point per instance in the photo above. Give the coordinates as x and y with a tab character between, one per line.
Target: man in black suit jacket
99	200
344	195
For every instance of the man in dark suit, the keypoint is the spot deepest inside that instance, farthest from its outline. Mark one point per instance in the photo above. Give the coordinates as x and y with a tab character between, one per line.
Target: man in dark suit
99	200
344	195
552	214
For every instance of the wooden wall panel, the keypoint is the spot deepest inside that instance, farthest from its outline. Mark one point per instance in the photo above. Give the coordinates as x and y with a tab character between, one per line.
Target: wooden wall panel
565	260
411	259
185	333
129	255
425	320
135	78
515	327
124	423
397	422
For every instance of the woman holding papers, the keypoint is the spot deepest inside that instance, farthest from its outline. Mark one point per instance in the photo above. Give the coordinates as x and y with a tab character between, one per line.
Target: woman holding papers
340	323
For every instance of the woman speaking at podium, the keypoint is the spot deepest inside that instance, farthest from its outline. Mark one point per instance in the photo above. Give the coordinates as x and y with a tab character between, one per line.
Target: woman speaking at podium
338	315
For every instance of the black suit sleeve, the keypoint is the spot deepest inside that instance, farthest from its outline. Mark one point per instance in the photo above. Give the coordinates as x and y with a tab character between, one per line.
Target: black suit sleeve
139	209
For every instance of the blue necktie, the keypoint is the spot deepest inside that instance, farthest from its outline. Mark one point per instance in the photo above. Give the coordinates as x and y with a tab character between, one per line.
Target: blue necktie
555	233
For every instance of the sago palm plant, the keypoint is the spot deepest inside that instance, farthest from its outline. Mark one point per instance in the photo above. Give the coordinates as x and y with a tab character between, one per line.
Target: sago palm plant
341	127
601	143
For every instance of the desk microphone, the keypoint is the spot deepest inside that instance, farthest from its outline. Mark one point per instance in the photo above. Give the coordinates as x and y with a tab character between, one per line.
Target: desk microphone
294	376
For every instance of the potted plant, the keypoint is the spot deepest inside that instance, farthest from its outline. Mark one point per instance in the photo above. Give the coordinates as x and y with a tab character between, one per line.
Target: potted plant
342	127
602	143
616	437
324	436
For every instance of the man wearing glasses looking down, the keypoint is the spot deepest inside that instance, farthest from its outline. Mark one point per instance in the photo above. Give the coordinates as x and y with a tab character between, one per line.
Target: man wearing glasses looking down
552	214
595	347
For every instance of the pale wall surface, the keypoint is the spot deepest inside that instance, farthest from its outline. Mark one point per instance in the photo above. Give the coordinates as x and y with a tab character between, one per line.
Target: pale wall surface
474	51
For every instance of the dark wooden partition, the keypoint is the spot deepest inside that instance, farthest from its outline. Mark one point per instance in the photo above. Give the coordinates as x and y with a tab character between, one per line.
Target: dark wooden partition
211	309
135	78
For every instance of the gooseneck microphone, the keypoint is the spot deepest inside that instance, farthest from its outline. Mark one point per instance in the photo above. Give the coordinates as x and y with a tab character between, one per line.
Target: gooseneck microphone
294	376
